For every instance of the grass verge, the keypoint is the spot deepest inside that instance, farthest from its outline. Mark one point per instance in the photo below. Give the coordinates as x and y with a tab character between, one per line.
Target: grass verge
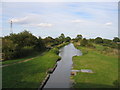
29	74
105	69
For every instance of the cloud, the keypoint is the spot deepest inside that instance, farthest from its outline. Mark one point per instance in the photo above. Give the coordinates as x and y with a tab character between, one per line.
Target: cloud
23	20
77	21
108	23
44	25
88	19
32	20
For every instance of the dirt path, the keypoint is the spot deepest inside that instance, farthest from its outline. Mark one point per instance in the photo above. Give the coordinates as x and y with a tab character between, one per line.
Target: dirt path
17	62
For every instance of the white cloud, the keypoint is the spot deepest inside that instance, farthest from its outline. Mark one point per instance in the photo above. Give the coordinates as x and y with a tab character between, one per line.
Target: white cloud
77	21
19	20
45	25
88	19
108	23
32	20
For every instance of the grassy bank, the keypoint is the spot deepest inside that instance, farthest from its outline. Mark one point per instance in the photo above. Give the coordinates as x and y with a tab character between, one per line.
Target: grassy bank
32	55
29	74
104	66
62	45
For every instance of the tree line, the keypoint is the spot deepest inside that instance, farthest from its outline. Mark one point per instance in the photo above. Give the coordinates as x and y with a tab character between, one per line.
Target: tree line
115	43
25	43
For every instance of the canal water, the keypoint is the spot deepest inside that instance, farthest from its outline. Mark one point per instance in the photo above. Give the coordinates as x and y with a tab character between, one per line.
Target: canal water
60	78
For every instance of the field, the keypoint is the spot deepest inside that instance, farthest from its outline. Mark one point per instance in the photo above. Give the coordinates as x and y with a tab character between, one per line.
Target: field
104	67
29	74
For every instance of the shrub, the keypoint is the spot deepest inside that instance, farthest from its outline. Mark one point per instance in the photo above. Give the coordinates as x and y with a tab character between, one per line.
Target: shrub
116	83
84	42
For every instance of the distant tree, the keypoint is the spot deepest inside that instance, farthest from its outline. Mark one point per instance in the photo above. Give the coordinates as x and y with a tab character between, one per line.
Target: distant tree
62	37
67	39
107	41
98	40
40	45
91	40
79	36
84	42
49	41
116	39
57	41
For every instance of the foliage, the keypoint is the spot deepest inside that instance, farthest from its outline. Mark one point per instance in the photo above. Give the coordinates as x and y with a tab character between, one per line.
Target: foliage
116	39
116	83
67	39
84	42
98	40
8	49
79	36
62	36
20	45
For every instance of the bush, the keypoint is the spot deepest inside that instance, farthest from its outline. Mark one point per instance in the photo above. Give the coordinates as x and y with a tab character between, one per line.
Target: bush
55	50
20	45
98	40
8	49
116	83
84	42
90	45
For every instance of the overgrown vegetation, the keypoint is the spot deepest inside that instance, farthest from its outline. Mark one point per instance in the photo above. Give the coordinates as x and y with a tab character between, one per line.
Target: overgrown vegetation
100	56
24	43
30	74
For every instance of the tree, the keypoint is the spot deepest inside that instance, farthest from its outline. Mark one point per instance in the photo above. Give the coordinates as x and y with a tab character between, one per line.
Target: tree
116	39
40	46
98	40
91	40
49	41
62	38
21	44
8	49
84	42
67	39
79	36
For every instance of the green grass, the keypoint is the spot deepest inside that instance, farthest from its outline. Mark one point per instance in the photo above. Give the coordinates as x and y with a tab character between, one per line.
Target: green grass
62	45
105	69
28	74
34	54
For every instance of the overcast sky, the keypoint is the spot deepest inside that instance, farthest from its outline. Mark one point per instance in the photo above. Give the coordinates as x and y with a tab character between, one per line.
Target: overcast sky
91	19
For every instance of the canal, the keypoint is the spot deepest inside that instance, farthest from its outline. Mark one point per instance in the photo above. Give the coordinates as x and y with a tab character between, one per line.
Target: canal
60	78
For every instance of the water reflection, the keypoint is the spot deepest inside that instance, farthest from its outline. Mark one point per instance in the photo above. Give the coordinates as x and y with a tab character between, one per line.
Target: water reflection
61	76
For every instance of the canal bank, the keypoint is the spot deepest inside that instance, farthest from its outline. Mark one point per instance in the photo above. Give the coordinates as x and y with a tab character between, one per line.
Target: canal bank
60	78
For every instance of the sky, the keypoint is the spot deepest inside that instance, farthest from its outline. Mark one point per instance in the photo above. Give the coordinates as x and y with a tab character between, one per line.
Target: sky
91	19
